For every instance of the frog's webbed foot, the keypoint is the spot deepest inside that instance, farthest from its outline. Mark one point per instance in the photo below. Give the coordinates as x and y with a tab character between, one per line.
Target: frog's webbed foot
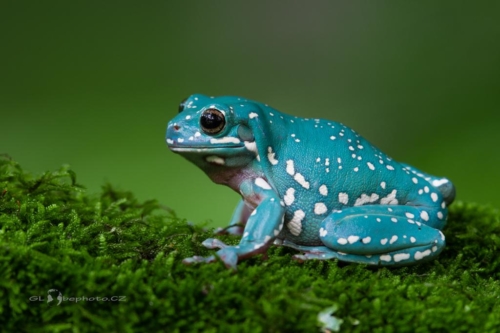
227	254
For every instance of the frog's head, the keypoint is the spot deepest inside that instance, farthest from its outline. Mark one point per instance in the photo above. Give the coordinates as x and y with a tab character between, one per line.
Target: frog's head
214	132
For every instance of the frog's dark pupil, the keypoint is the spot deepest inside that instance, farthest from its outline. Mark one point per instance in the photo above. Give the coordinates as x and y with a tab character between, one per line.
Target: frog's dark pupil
212	121
182	105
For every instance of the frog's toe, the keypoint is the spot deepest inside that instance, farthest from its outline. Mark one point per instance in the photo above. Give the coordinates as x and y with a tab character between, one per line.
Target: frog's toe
198	259
229	257
299	257
213	243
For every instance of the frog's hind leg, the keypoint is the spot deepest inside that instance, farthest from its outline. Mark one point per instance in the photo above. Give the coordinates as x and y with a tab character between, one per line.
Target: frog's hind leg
325	253
443	185
380	235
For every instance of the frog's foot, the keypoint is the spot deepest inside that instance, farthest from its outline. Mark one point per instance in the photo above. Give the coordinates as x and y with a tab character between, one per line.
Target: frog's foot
228	254
380	235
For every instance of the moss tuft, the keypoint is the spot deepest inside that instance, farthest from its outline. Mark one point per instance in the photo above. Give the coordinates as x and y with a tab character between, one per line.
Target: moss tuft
55	236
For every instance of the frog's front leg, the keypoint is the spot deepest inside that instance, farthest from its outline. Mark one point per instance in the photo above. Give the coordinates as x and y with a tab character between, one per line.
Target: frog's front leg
238	220
378	235
263	225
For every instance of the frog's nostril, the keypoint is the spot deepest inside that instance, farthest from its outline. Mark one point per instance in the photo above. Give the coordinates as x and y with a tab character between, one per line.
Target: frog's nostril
176	127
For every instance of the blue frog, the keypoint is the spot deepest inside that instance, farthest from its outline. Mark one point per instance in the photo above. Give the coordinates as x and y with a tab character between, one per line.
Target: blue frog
311	184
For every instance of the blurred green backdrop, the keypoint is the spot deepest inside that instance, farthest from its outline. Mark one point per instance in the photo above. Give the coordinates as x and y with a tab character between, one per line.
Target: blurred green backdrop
93	84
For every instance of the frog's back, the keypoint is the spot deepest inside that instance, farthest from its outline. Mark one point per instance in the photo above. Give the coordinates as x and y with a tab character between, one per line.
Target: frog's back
321	166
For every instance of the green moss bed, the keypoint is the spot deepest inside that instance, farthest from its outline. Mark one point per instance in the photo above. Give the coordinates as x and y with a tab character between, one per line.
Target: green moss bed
53	235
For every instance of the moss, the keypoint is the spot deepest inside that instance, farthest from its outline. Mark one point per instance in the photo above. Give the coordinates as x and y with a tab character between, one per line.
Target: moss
55	236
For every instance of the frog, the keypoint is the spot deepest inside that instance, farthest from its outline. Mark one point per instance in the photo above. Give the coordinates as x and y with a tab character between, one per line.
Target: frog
314	185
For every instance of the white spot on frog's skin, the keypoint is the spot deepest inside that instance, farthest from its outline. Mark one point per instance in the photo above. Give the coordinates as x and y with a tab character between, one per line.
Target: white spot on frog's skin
390	199
295	224
215	160
254	212
434	197
253	115
327	161
297	140
197	134
371	166
366	199
332	137
413	239
356	169
440	215
382	185
260	182
352	239
339	160
385	257
341	134
180	140
442	235
191	138
227	139
258	246
389	209
343	198
188	117
320	208
401	256
420	255
252	146
378	219
389	167
443	205
169	141
290	169
301	180
426	189
439	182
415	180
393	219
342	241
393	239
270	156
351	148
366	240
323	232
424	215
410	215
289	196
318	160
383	241
323	190
420	192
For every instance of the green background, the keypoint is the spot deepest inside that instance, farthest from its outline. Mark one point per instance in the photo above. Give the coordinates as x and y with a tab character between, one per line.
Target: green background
93	84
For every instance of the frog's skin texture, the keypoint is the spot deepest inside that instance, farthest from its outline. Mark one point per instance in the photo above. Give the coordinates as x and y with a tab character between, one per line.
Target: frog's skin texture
311	184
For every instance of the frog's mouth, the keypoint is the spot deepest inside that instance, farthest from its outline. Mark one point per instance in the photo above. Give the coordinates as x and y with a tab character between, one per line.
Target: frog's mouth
181	149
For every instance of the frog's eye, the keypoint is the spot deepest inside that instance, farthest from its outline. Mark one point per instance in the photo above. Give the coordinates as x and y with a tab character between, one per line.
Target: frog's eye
182	105
212	121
